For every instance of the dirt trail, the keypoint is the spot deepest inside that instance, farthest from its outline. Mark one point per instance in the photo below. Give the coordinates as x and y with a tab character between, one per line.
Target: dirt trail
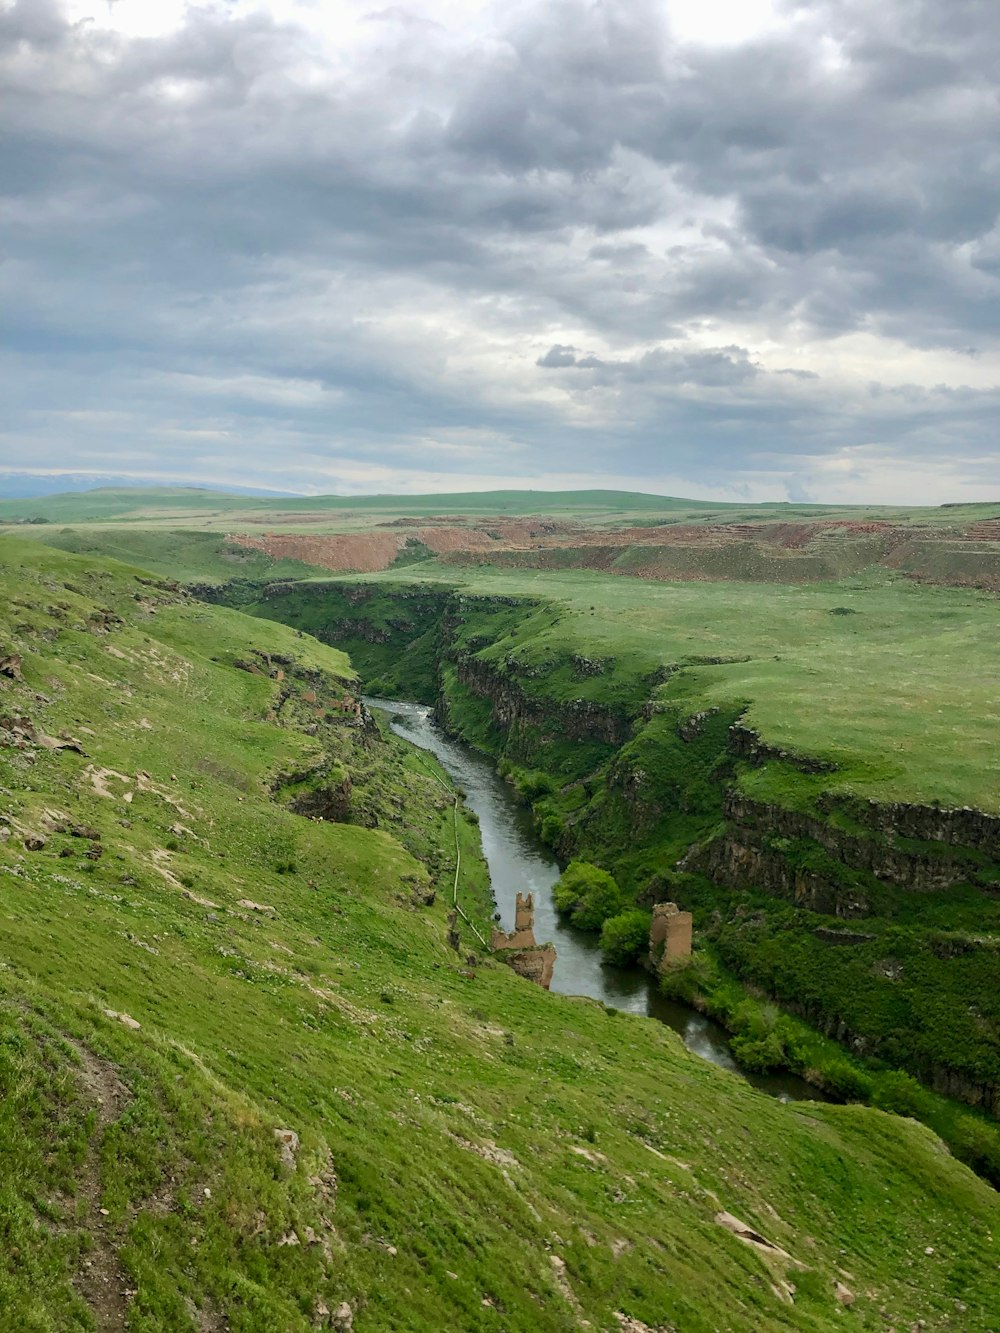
102	1281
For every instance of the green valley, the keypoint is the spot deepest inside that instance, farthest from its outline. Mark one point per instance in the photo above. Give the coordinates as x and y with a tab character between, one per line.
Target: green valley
251	1083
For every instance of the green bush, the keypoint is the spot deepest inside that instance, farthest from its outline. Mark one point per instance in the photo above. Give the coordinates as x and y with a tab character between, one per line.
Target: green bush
551	830
842	1080
587	894
535	784
760	1054
625	937
898	1092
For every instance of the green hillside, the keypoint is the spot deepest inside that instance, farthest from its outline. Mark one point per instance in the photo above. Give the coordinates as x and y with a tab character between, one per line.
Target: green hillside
185	554
132	502
189	966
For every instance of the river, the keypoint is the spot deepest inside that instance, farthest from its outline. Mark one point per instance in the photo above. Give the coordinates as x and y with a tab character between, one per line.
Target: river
518	860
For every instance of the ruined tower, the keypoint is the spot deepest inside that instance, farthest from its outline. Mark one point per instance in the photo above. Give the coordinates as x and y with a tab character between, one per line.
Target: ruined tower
523	954
669	935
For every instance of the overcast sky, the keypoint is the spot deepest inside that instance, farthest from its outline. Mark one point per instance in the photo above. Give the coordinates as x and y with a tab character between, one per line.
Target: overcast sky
716	248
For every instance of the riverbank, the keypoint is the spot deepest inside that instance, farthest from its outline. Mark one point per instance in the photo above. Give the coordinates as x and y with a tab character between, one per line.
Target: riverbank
519	861
716	1017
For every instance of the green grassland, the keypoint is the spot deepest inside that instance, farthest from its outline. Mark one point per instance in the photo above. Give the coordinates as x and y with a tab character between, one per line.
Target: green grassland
184	554
473	1153
188	507
900	694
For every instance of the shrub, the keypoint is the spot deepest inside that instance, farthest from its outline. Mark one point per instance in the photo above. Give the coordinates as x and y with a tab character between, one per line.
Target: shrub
625	937
588	894
898	1092
759	1054
843	1080
535	784
551	830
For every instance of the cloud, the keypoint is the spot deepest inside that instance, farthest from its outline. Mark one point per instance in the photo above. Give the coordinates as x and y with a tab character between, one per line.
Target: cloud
556	233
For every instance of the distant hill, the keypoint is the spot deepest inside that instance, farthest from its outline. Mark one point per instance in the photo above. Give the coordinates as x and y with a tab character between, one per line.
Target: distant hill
103	503
235	508
27	485
136	501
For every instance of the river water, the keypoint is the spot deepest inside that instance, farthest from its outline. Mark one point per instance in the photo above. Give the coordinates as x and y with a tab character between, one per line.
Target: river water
519	861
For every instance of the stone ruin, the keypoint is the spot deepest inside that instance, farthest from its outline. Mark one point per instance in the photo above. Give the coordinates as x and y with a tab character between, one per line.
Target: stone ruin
669	935
526	957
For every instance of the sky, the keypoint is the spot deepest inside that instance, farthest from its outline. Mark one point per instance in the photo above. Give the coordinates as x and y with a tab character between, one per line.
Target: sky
726	249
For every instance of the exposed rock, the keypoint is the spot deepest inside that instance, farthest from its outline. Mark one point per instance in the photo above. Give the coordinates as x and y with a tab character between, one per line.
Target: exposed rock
692	727
747	744
251	906
342	1318
748	851
288	1141
629	1325
126	1019
590	666
562	1282
33	843
62	742
748	1235
831	936
17	731
513	708
10	666
488	1151
843	1294
324	1182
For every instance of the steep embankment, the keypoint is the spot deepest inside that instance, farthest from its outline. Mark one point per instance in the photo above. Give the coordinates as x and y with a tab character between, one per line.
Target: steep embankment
248	1085
878	920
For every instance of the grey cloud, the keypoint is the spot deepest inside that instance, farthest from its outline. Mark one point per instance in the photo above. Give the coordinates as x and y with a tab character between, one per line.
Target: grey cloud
714	367
557	356
455	193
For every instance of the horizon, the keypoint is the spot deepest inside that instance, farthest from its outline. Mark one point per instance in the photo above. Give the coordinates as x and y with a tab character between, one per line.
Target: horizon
251	493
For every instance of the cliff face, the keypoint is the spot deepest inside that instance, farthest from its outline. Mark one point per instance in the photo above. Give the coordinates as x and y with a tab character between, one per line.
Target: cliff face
516	712
815	863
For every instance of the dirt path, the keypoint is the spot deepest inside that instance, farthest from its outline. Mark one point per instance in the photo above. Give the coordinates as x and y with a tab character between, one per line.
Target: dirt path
102	1281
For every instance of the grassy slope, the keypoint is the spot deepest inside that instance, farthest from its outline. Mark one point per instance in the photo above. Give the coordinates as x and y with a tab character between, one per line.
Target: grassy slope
183	554
458	1127
900	695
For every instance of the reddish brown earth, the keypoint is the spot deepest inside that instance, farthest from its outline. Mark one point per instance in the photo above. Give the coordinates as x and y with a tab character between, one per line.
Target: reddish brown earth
348	553
783	551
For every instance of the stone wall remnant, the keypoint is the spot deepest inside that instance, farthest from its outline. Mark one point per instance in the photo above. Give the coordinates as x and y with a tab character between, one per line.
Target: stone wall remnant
523	953
669	935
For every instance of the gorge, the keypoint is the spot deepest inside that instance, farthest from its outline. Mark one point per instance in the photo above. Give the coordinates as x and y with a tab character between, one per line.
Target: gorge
864	915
